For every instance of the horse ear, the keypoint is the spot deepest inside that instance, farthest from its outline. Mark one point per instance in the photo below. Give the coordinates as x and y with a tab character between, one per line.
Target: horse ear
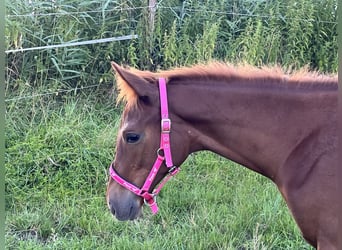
142	87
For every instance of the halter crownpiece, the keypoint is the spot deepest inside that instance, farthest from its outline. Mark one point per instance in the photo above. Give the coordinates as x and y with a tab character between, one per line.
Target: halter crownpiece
165	157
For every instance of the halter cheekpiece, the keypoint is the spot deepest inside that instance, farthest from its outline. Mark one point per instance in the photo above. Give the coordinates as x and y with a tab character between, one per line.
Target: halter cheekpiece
163	156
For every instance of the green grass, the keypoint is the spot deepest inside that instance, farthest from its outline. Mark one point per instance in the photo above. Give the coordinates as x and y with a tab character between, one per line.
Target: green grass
58	148
57	155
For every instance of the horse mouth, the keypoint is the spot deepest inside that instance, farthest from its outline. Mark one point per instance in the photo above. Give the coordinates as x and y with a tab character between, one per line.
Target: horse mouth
131	215
124	211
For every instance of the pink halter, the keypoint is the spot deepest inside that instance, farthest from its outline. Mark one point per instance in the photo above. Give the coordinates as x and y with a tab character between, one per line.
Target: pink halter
150	198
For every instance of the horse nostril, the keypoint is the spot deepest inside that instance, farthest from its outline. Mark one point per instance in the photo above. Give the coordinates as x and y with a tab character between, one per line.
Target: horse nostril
112	209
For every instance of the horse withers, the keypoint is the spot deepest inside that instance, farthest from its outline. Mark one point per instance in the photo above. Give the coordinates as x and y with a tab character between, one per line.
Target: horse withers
283	126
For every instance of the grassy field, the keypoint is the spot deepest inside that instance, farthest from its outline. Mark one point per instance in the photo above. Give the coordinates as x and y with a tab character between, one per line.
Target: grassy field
57	153
59	147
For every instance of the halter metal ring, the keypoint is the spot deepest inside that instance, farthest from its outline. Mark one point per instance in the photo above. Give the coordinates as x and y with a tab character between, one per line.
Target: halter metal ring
160	152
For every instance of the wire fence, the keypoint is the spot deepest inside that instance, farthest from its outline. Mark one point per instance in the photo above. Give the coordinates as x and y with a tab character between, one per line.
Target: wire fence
34	14
128	37
63	45
159	5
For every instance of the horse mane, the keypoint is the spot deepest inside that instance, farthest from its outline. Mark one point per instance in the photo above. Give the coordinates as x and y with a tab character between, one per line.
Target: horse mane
226	72
222	71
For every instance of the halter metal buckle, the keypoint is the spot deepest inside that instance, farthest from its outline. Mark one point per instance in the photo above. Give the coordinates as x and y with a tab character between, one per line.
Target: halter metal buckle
165	125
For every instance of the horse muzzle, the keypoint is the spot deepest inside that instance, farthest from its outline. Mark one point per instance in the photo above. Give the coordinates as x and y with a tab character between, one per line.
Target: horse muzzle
124	205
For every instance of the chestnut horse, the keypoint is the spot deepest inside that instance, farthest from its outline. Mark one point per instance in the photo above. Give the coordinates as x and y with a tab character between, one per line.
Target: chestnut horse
280	125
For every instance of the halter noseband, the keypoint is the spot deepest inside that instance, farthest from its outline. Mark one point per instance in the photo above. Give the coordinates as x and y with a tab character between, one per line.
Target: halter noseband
165	157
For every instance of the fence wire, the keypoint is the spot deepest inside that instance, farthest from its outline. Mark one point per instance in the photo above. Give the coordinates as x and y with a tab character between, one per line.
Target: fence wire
63	45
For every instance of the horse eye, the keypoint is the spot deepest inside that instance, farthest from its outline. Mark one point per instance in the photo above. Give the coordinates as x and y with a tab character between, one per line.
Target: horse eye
132	138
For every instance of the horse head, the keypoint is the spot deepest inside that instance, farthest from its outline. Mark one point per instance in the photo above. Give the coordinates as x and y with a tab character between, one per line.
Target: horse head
138	145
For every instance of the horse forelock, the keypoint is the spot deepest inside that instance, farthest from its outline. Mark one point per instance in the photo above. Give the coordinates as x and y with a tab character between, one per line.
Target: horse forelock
126	94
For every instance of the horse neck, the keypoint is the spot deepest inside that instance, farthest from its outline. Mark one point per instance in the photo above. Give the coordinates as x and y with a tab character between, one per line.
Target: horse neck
255	125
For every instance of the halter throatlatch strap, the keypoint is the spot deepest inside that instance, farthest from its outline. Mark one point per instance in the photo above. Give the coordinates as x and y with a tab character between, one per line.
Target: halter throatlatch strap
165	157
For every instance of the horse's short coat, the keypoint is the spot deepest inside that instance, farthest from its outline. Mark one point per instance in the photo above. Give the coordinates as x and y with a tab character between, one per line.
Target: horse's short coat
282	126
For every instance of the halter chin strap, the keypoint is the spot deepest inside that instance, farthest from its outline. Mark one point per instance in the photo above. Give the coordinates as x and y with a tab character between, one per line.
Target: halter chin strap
163	156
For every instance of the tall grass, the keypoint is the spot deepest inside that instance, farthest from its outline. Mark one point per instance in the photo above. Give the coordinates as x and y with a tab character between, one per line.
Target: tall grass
291	33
